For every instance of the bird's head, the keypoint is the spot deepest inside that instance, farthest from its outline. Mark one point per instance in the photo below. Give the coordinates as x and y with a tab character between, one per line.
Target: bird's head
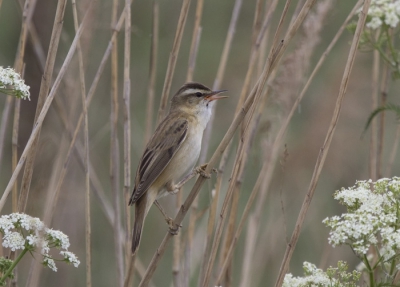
194	98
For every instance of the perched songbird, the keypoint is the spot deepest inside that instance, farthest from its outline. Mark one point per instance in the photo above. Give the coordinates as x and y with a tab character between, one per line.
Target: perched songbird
172	151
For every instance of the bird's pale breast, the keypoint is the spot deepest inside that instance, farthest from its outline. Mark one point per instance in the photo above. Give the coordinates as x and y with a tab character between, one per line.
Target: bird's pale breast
184	159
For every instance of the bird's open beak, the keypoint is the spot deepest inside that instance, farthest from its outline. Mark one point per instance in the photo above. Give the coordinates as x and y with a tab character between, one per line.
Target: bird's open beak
214	95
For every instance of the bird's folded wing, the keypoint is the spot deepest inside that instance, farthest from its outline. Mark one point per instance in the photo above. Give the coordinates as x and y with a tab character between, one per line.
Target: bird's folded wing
162	147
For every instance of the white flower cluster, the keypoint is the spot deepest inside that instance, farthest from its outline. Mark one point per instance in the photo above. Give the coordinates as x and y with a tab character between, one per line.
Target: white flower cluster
314	277
8	77
371	220
14	226
383	11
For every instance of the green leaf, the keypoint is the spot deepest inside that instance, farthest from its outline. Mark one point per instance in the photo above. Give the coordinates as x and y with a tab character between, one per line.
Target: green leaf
387	107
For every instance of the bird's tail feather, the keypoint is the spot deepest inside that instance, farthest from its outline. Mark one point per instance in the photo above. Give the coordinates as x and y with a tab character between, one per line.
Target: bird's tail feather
140	214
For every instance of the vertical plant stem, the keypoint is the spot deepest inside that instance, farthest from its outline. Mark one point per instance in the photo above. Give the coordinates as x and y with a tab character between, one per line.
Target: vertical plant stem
86	154
5	118
220	75
43	96
393	152
374	125
381	133
189	78
15	153
176	266
127	139
8	272
195	40
114	156
172	58
152	74
325	148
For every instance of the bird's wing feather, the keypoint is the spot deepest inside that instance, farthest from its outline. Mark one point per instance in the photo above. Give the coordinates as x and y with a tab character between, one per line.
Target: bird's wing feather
161	148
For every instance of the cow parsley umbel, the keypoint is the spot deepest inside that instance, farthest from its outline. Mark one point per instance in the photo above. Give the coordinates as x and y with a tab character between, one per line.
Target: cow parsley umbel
372	222
23	232
315	277
381	31
12	84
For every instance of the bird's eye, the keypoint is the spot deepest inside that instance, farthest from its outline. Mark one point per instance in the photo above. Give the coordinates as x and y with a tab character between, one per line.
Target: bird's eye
198	94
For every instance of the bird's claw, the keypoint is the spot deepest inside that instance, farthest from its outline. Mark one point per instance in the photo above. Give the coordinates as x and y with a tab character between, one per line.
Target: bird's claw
173	228
201	170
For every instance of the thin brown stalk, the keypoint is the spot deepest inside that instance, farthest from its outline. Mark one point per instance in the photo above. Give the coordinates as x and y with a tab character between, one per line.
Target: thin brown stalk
220	75
177	275
393	152
127	140
114	157
195	40
86	154
374	124
42	115
152	73
381	132
274	57
325	147
130	268
43	96
172	58
5	118
15	153
189	78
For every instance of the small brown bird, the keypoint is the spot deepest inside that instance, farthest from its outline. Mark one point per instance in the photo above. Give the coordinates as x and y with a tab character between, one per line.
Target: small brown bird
172	151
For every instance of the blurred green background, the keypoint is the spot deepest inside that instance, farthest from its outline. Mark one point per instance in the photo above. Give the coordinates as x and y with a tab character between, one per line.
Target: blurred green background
346	162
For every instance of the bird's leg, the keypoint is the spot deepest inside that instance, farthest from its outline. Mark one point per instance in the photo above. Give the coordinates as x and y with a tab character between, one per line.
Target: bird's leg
173	229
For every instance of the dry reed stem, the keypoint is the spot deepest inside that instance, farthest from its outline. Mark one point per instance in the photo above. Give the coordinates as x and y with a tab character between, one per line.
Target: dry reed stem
177	276
381	133
189	78
42	98
220	75
152	73
28	9
130	268
127	139
374	124
325	147
114	157
393	152
88	248
173	58
42	115
195	40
